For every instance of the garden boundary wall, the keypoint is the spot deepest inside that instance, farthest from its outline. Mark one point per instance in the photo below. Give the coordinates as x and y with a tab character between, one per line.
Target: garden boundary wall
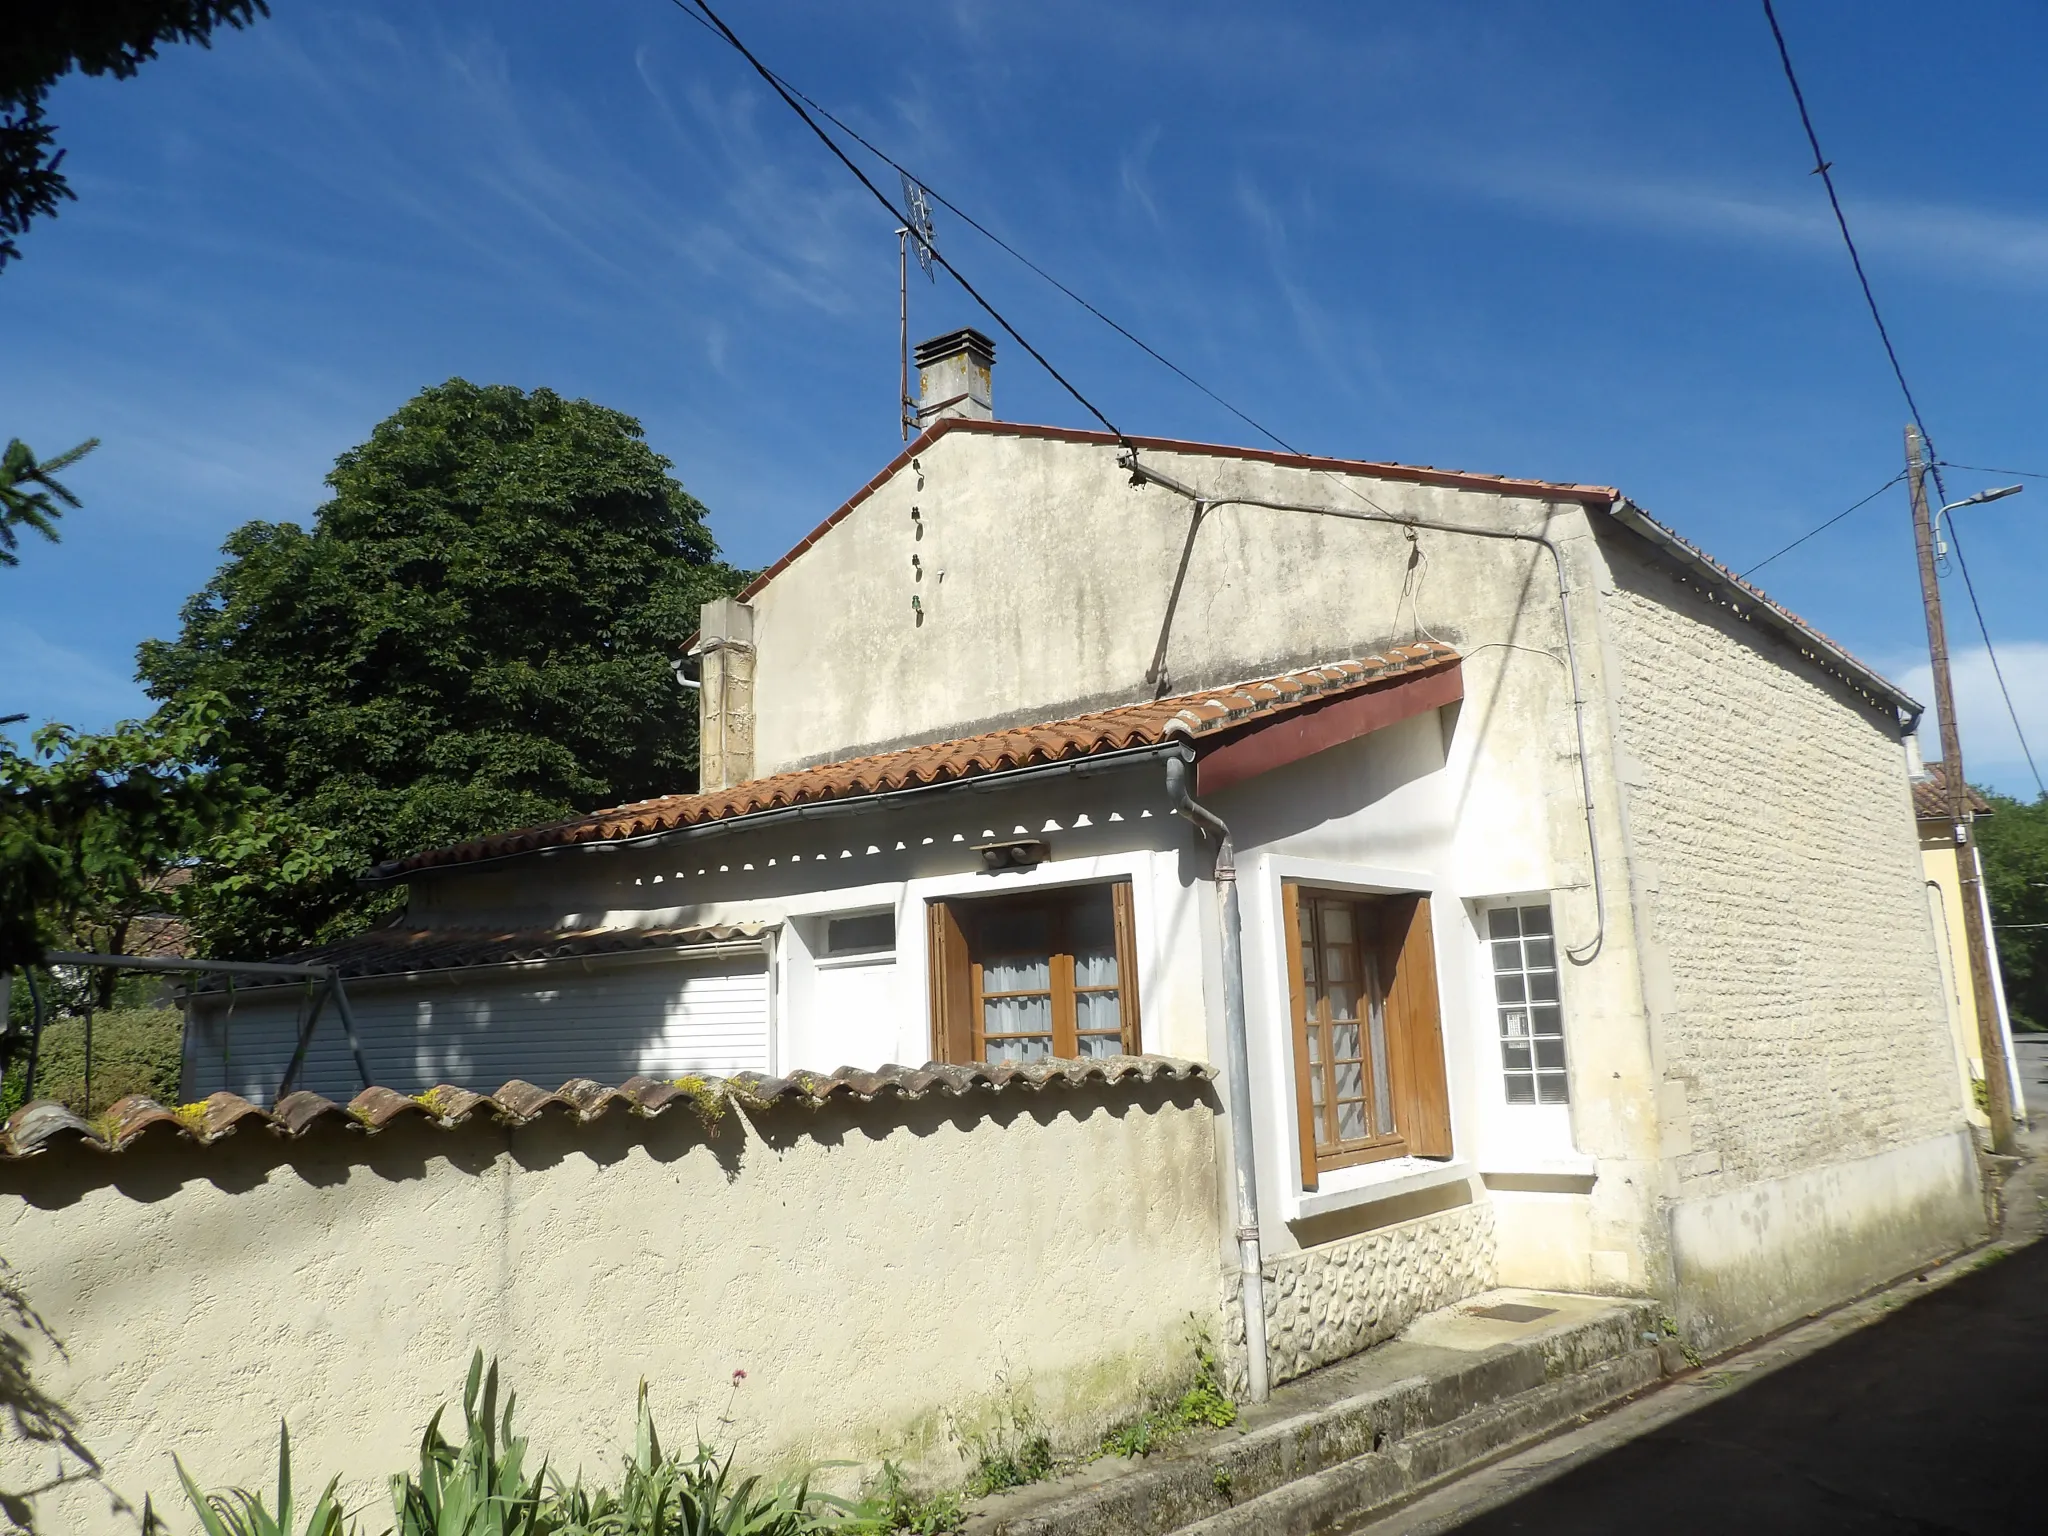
898	1263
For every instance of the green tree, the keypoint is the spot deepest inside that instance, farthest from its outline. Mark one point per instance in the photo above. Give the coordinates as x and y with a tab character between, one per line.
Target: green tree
30	493
2014	838
91	825
45	41
476	634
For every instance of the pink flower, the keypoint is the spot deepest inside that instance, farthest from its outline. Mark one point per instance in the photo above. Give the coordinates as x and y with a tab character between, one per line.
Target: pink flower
739	1375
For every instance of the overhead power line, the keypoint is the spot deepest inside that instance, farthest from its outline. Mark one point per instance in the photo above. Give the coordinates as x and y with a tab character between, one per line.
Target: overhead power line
1824	527
1979	469
894	212
1824	169
1956	548
1003	245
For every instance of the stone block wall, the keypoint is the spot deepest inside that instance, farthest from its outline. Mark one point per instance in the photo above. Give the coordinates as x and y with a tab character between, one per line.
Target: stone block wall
1788	956
1337	1298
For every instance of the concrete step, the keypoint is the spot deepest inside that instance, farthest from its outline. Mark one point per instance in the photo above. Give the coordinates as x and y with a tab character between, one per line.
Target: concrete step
1455	1389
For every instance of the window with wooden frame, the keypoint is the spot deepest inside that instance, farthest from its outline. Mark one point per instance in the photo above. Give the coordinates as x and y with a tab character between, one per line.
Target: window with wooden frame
1368	1041
1050	973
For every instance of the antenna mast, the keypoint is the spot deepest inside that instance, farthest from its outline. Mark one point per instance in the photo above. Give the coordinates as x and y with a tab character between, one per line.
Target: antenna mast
917	207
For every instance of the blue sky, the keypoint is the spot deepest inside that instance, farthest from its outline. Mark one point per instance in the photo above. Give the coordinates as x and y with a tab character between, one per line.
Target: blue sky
1567	239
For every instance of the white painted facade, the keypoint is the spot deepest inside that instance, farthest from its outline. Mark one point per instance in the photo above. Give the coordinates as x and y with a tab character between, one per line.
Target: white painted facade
1754	906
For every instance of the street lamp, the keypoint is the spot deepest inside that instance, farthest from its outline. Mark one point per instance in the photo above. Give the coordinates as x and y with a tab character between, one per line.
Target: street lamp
1978	500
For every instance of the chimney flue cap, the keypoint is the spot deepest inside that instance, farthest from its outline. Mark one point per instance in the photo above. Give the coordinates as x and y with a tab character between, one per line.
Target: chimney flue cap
966	339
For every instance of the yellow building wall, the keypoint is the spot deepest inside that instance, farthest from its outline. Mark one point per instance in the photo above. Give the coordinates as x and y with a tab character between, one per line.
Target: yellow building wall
1945	906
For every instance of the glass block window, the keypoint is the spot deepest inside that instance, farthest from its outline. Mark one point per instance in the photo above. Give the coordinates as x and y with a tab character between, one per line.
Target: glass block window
1524	952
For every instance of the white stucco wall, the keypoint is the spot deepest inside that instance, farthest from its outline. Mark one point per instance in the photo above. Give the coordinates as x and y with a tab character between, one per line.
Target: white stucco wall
884	1274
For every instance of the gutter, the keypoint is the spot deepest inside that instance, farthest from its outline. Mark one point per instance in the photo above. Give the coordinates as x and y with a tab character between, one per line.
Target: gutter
717	949
1749	603
812	810
1238	1069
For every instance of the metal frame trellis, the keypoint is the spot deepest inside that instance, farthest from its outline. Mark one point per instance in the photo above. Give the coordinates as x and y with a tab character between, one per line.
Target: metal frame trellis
327	975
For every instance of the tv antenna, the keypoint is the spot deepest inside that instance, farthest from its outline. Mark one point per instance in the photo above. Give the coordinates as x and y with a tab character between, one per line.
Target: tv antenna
918	209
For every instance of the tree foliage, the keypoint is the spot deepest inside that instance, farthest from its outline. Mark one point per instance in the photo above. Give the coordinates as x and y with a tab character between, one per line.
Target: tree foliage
45	41
90	826
30	493
2014	839
477	633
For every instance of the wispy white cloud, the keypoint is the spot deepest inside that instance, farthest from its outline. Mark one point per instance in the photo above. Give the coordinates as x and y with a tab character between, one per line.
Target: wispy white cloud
1991	747
1975	244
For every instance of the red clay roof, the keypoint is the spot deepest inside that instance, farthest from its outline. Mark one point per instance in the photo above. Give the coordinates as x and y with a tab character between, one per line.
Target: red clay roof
1212	714
1930	796
1415	474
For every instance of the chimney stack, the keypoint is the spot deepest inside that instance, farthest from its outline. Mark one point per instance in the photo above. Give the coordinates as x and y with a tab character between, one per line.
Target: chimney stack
725	696
953	377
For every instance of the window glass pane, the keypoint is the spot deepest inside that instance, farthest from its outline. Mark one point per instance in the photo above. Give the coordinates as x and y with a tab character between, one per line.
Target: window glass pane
855	935
1382	1083
1351	1121
1525	983
1025	1016
1344	1040
1013	930
1350	1080
1336	918
1019	974
1097	1011
1343	1000
1099	1045
1021	1048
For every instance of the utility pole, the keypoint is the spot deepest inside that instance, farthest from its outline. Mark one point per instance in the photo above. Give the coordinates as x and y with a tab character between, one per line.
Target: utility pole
1990	1039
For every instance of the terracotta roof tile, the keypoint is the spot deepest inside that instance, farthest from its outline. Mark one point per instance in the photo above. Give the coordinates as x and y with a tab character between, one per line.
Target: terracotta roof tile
1930	796
1194	716
41	1126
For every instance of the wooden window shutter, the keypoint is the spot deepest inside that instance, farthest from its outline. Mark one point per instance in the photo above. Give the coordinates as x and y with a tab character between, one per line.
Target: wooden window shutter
1127	966
1297	1002
1415	1043
952	987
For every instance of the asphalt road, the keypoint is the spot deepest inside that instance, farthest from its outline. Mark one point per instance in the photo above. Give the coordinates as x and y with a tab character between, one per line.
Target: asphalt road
1934	1419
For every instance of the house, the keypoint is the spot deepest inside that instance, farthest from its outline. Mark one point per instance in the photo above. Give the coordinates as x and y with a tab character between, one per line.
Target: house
1941	855
1539	891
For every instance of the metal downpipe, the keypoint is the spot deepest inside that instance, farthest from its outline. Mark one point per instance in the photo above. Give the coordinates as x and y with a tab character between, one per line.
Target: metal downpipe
1243	1152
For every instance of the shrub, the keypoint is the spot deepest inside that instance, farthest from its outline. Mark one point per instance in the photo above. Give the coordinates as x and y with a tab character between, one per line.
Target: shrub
478	1488
134	1050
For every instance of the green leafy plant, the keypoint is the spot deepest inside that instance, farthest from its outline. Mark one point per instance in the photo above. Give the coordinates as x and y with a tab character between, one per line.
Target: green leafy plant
477	1488
1203	1405
660	1494
895	1506
238	1512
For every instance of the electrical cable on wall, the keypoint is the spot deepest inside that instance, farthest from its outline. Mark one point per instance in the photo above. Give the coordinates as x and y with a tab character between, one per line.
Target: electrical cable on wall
1969	586
1824	527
